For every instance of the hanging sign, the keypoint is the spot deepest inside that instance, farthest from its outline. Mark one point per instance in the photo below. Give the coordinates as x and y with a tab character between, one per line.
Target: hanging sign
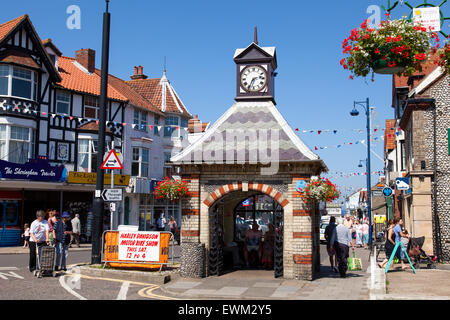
387	192
428	18
402	183
112	162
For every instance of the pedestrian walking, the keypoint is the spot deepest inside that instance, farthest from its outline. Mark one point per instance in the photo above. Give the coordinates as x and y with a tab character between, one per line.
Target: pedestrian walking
38	237
348	221
330	237
398	237
76	231
51	221
359	234
161	223
404	240
63	232
26	235
365	234
389	244
172	225
344	241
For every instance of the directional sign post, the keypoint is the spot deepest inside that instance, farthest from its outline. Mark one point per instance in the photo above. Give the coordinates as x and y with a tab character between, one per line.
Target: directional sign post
112	162
112	195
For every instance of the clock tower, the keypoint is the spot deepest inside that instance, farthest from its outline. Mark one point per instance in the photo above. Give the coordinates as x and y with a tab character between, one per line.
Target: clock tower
255	72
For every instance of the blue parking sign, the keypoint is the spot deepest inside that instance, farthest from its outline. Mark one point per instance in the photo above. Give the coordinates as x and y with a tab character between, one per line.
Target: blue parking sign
402	183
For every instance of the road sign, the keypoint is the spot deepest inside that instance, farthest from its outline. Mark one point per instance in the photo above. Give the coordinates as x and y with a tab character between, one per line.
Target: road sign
112	161
112	206
387	192
402	183
377	193
112	195
381	186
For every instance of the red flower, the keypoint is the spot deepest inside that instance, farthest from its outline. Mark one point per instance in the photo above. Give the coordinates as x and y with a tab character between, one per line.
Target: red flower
420	56
377	51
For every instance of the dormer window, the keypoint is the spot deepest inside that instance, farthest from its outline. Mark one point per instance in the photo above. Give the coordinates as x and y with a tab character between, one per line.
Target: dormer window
18	82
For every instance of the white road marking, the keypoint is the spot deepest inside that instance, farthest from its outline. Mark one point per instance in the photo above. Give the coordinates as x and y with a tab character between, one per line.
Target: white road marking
65	286
4	275
123	291
8	268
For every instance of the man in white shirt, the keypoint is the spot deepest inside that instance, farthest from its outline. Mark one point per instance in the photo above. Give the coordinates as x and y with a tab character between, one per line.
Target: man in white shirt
344	241
38	237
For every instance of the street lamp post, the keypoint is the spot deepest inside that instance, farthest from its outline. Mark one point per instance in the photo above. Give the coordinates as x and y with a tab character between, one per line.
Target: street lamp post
97	206
354	113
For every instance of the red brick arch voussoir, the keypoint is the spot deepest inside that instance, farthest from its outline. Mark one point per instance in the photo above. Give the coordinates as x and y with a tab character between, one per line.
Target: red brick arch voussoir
263	188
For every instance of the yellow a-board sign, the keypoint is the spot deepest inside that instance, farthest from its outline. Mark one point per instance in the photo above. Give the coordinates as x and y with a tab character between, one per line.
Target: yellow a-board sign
91	178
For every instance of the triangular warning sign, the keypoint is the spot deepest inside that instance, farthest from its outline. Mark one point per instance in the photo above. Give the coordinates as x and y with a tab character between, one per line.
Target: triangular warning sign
112	161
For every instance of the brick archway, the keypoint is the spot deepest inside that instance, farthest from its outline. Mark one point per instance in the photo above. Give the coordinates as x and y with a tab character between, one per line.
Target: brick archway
263	188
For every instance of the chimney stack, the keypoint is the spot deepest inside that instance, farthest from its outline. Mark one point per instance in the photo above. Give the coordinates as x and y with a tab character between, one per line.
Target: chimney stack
86	57
138	73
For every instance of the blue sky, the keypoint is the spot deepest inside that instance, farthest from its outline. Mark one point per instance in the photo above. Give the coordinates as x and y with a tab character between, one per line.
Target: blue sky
199	38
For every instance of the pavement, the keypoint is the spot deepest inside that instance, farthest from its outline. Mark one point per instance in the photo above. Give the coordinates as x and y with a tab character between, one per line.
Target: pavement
371	283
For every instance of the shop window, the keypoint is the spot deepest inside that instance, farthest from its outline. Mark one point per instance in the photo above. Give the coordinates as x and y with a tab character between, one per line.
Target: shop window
16	143
9	213
62	102
18	82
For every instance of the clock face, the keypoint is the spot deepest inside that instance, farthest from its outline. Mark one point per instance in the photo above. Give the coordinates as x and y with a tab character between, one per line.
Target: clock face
253	78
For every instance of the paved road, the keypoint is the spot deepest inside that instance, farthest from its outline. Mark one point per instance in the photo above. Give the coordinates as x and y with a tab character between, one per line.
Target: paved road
17	283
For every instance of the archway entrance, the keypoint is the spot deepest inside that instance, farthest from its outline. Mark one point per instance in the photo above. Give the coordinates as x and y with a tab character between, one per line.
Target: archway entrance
233	243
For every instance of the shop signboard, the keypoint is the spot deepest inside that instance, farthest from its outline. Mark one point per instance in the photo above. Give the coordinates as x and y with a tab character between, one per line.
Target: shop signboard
91	178
33	170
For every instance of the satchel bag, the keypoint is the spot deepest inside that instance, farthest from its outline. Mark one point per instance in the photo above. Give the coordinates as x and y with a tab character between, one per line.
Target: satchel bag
354	263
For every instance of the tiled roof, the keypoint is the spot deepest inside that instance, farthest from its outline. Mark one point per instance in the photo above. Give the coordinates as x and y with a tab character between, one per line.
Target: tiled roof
154	89
91	126
129	92
389	136
240	121
7	27
427	68
17	57
76	79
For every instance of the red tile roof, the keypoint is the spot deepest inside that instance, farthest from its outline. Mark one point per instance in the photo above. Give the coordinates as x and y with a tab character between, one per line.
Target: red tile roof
152	90
389	136
427	68
76	79
7	27
133	97
20	58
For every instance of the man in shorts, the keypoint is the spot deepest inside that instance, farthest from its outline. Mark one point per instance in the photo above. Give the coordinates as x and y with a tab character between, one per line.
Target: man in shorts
330	237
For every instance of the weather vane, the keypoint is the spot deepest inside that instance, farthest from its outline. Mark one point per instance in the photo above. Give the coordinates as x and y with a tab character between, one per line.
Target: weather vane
422	5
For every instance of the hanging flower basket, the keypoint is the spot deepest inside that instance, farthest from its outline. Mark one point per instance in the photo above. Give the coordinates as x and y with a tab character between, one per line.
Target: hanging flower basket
443	59
171	189
396	47
319	190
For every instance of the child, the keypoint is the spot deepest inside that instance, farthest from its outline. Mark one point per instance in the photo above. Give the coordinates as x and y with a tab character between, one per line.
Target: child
26	235
404	241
